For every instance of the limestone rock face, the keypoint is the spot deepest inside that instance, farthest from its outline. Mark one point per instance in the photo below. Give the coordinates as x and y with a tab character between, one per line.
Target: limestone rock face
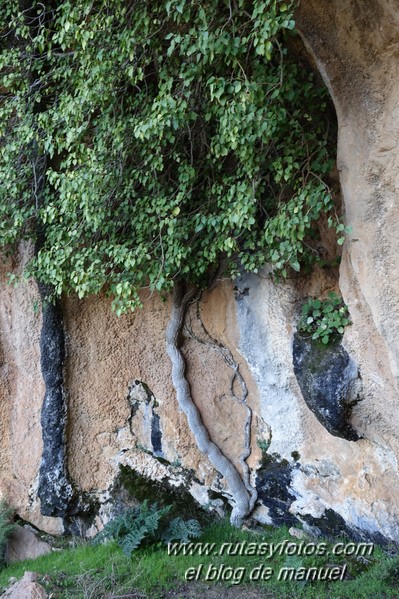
27	588
121	406
356	46
327	482
24	544
21	395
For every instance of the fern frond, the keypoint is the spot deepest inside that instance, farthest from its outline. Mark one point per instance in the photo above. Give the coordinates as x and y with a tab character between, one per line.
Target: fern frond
180	530
130	529
132	540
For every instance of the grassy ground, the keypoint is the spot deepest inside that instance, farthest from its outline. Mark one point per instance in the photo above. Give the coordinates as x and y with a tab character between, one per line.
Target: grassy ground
102	571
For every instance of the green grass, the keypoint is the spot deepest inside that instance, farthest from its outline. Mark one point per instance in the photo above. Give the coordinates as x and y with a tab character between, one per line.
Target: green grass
97	570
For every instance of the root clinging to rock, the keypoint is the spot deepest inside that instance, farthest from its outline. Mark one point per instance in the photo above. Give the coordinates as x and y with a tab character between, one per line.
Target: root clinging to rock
243	495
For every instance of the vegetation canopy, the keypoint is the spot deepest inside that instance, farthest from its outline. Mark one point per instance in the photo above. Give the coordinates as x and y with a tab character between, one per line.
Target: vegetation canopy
148	142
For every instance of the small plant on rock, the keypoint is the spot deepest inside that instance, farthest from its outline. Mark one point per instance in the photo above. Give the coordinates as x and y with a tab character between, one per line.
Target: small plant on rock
324	320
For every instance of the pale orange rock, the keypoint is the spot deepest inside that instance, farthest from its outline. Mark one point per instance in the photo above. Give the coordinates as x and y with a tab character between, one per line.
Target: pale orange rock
26	588
23	544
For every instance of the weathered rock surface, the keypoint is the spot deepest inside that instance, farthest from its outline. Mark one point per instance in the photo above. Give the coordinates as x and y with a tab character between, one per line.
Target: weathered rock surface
26	588
312	473
356	46
21	394
23	544
121	404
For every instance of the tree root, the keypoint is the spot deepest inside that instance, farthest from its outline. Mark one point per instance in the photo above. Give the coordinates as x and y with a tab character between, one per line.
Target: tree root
236	376
241	496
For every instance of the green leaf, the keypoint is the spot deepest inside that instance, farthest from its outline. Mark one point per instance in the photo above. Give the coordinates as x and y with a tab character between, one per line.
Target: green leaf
295	266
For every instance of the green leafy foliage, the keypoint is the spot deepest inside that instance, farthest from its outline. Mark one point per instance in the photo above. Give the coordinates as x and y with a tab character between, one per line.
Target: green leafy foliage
181	530
6	526
324	320
146	523
158	140
132	527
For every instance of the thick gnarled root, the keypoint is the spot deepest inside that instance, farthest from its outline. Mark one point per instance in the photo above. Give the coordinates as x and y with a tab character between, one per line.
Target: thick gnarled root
241	497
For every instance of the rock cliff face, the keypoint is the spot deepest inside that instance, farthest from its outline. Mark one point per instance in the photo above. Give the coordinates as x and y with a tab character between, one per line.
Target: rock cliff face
121	406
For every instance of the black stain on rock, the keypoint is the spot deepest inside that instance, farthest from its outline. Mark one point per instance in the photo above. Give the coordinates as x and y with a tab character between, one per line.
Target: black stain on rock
332	526
326	375
54	489
240	293
273	486
156	435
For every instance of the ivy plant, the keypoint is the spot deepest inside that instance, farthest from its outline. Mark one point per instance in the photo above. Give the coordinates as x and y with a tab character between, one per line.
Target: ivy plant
146	142
324	320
